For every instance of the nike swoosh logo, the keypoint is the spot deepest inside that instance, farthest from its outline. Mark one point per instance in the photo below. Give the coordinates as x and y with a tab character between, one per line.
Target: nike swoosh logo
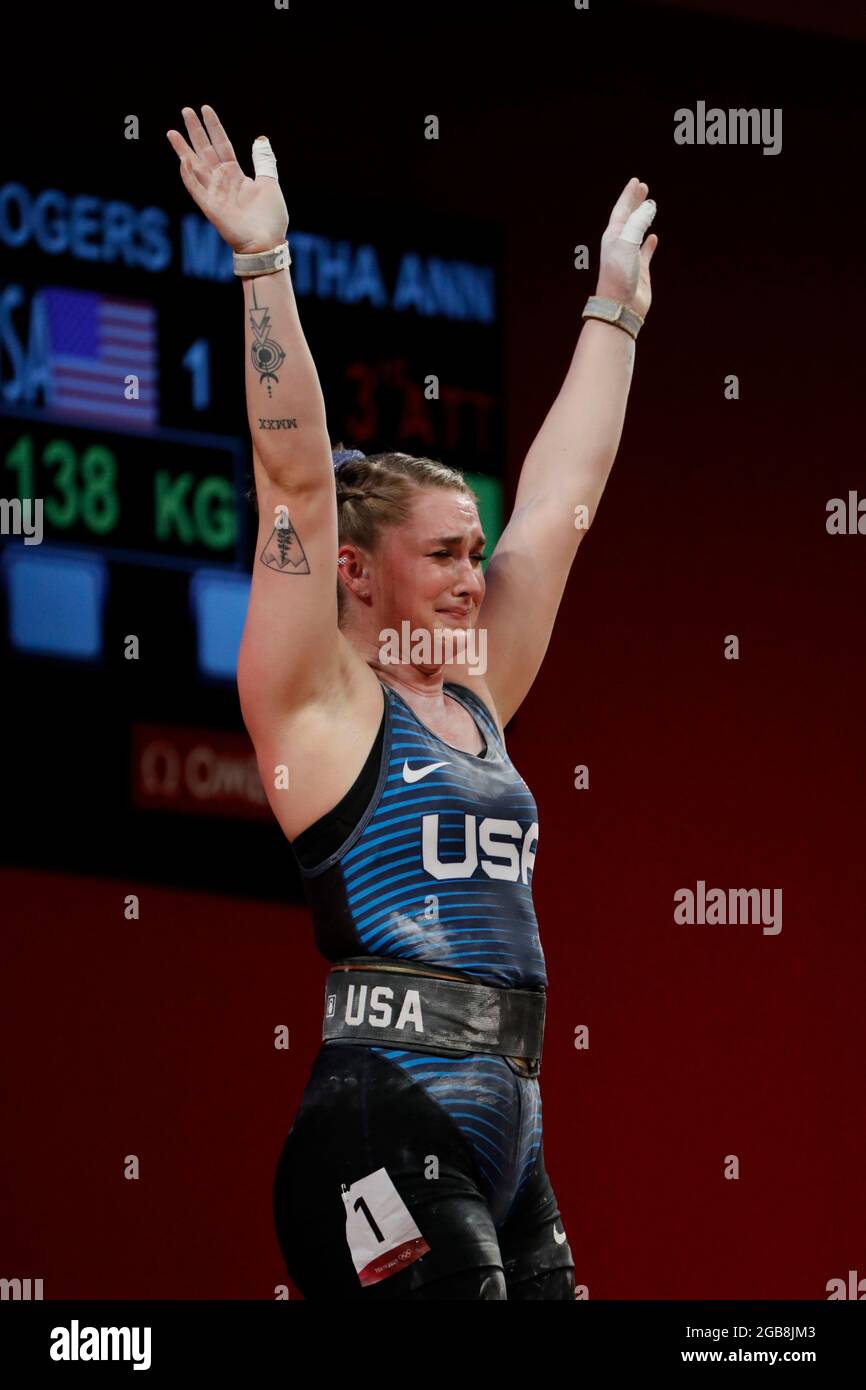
415	774
558	1236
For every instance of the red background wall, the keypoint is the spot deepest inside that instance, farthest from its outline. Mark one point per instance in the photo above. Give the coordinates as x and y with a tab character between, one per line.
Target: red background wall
156	1037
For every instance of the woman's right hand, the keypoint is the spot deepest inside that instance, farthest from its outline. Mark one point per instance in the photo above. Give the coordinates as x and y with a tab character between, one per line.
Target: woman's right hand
250	214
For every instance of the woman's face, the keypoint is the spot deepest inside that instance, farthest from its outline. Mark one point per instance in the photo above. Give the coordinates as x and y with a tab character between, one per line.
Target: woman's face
428	570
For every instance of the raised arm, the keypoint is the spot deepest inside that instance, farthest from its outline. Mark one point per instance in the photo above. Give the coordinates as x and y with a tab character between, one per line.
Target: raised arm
565	472
291	645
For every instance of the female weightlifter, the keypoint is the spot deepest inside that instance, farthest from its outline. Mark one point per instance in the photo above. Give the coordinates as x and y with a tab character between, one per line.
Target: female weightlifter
415	1165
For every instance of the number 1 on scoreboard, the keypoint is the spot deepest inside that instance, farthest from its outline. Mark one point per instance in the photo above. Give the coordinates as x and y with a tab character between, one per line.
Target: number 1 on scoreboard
197	362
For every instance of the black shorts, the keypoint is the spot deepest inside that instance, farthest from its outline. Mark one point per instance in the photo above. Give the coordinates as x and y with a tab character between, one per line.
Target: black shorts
379	1191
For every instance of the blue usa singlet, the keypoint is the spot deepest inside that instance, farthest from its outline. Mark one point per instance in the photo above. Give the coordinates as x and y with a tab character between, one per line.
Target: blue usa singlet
438	869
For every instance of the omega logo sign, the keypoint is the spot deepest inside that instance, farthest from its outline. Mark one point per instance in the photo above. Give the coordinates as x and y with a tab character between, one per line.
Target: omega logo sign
201	772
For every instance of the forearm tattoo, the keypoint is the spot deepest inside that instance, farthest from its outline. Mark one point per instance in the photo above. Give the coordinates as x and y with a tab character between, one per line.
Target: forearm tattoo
273	424
267	355
284	552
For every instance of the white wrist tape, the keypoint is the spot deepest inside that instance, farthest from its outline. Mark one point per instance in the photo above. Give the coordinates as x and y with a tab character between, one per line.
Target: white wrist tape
264	159
637	224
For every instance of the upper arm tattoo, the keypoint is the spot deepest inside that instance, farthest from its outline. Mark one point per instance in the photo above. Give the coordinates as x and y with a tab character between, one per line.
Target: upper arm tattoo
284	552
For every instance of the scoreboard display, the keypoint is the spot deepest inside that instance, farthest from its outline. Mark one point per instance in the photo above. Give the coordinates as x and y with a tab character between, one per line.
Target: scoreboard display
128	535
169	496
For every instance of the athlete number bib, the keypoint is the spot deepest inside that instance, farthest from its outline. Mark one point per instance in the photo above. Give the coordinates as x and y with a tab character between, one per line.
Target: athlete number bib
381	1234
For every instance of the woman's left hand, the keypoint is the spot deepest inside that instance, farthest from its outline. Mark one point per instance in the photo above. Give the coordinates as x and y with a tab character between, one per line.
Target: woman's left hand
623	272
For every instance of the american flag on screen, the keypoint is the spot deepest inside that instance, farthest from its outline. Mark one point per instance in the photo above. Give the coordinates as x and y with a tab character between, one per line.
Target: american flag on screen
95	341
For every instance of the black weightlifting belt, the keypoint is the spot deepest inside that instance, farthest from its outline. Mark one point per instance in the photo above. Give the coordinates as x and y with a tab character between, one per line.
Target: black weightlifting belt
370	1000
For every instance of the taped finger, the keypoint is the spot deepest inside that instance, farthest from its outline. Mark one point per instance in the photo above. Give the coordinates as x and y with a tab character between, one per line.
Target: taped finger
636	226
264	159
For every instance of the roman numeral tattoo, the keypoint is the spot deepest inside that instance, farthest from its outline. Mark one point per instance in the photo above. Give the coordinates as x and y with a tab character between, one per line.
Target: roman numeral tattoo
266	353
273	424
284	552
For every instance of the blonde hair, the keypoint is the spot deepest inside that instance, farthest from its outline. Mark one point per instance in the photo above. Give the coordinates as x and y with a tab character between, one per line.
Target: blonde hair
377	491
